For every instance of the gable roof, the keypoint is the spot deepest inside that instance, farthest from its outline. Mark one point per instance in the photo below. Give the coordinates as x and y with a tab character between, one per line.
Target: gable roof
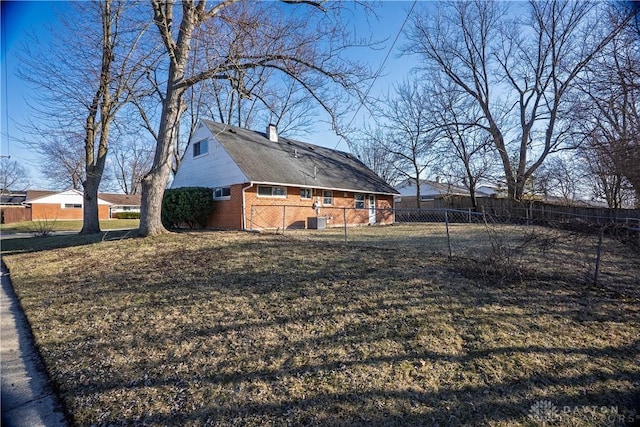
292	162
44	196
431	188
38	194
121	199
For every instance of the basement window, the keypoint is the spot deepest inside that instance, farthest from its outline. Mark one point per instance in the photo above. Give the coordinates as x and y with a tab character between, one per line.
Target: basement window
200	148
269	191
222	193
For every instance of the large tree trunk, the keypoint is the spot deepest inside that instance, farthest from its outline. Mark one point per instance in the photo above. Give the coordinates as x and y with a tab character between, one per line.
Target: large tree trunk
153	185
155	182
90	215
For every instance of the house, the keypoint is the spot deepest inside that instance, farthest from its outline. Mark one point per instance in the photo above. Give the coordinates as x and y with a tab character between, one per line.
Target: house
68	204
433	194
438	194
261	180
121	203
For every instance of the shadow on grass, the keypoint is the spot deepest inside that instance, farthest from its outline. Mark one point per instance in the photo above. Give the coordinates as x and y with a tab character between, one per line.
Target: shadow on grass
272	332
29	244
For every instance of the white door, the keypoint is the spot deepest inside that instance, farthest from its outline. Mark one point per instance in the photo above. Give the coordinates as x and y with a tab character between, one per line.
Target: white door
372	209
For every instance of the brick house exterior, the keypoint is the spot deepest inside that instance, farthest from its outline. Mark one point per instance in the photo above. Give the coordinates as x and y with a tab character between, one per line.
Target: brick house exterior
68	205
262	181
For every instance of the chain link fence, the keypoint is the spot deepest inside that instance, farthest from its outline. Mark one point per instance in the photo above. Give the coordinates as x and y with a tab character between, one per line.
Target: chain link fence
519	240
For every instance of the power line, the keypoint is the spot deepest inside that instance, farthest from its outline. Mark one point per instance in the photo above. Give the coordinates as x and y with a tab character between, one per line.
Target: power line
375	77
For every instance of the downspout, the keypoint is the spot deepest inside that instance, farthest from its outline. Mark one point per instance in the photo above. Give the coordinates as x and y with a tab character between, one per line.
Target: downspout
244	212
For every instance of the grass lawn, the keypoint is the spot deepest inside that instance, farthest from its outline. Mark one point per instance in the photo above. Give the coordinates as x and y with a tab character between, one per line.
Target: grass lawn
66	225
221	328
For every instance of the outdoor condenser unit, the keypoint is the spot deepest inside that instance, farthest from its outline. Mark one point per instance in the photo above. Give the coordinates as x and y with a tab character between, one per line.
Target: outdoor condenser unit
317	222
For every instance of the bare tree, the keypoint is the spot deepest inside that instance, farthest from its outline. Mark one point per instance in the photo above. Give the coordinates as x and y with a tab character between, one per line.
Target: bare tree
559	177
407	131
371	152
63	160
521	74
83	88
465	150
606	181
131	159
12	175
285	43
610	114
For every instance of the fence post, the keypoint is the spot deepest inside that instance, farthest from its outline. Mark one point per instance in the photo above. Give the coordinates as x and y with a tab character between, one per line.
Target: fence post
446	222
284	213
469	215
251	218
344	216
598	254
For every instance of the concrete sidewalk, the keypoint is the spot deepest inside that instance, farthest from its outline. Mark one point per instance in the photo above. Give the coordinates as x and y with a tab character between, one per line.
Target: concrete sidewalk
27	397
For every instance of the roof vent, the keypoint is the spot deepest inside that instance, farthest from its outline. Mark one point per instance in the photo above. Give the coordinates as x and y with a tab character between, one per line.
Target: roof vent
272	133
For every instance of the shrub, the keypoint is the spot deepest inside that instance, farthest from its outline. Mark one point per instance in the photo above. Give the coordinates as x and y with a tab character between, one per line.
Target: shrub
127	215
187	205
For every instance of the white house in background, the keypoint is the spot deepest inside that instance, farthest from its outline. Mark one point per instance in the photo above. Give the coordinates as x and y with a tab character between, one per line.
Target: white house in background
429	190
69	204
490	190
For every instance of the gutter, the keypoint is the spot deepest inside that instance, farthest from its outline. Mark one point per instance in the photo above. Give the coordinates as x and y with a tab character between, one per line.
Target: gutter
244	211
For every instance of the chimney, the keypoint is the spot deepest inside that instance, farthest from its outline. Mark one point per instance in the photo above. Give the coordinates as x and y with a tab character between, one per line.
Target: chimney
272	133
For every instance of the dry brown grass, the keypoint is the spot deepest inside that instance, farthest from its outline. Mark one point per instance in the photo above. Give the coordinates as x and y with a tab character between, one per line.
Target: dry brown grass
220	328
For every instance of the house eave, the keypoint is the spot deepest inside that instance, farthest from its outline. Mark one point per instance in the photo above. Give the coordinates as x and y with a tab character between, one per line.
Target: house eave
319	187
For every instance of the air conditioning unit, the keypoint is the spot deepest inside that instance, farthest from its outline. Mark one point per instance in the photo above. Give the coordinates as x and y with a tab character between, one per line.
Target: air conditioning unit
316	222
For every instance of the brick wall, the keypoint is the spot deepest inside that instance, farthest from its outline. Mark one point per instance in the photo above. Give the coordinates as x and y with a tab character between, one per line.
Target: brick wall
52	212
227	214
268	212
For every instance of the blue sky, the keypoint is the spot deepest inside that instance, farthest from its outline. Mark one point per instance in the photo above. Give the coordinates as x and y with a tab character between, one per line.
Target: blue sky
23	17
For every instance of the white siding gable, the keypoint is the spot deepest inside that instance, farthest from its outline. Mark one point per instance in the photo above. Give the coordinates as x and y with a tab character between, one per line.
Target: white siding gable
65	197
425	190
212	169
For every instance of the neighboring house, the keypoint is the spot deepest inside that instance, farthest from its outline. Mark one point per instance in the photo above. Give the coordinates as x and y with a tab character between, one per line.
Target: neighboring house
437	194
252	173
68	204
430	190
63	205
121	203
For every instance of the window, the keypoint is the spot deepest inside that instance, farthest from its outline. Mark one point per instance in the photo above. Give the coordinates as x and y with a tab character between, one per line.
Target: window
359	201
72	206
268	191
327	197
305	193
200	148
222	193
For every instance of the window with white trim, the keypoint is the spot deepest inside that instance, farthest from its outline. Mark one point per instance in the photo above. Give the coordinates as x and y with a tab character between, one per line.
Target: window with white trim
359	201
305	193
200	148
327	197
72	206
222	193
270	191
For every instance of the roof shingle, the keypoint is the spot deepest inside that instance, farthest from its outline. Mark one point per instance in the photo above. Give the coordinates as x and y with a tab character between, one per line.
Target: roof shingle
291	162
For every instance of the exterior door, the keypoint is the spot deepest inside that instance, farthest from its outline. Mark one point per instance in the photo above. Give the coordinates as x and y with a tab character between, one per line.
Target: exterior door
372	209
